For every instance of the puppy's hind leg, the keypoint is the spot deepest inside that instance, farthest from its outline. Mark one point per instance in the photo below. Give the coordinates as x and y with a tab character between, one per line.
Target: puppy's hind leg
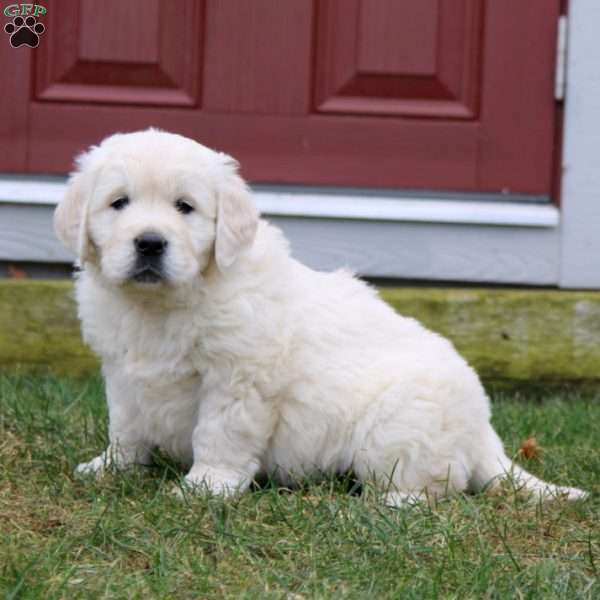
494	465
424	493
404	449
410	475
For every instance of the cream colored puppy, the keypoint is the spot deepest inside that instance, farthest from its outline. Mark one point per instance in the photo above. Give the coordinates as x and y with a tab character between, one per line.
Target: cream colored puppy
220	348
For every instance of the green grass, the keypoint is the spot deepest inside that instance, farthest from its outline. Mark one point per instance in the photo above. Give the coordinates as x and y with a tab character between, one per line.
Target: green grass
126	536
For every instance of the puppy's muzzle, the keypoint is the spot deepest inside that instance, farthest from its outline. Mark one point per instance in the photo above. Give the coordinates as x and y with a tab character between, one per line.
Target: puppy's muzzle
150	248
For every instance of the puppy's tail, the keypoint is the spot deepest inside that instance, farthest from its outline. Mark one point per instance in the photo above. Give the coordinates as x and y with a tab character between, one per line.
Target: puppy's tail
494	466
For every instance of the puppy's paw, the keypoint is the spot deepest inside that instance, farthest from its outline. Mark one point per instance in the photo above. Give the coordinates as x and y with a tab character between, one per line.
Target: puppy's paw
570	493
208	480
95	467
403	499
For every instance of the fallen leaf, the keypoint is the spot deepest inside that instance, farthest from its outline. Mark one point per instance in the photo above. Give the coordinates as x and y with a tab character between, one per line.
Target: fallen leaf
530	450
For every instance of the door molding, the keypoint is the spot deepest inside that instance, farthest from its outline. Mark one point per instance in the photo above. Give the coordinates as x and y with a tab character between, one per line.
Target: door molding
580	211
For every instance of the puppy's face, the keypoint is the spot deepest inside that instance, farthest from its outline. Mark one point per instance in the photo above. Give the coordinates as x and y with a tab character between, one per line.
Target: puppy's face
151	219
153	208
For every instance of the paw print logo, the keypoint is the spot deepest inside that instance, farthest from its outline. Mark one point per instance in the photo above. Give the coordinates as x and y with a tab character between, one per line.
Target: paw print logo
24	32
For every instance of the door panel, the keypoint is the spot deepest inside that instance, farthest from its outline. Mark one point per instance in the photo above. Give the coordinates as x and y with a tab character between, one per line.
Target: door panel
437	94
153	56
399	57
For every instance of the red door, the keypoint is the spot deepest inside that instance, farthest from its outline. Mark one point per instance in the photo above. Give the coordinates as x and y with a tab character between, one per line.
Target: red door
434	94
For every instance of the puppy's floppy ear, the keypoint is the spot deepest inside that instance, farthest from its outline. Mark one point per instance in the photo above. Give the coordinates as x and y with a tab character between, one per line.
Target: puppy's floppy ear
237	216
70	216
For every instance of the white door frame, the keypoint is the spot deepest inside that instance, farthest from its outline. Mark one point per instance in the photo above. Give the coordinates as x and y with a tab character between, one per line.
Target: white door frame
580	211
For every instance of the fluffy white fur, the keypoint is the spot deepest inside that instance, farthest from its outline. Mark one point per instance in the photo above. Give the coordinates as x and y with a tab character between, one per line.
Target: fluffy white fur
244	361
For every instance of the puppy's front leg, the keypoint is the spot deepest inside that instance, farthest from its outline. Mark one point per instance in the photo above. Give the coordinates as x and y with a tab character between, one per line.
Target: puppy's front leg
230	439
126	446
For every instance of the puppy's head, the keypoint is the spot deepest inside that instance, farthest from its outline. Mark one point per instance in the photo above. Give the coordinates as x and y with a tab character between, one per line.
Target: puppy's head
152	208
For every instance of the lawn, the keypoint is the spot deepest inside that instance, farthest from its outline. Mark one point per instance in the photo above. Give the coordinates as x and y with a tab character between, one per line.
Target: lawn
127	536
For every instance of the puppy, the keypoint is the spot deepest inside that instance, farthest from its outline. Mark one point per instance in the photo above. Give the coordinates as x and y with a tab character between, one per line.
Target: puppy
220	348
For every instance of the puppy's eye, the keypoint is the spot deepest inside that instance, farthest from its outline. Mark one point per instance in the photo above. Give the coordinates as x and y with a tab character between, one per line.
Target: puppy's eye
120	203
183	207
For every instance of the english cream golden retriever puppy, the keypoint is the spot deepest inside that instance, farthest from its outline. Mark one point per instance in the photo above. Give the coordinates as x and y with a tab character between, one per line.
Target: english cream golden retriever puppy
220	348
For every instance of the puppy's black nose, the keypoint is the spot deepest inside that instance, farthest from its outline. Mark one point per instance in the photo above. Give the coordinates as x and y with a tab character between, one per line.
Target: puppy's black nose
150	244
